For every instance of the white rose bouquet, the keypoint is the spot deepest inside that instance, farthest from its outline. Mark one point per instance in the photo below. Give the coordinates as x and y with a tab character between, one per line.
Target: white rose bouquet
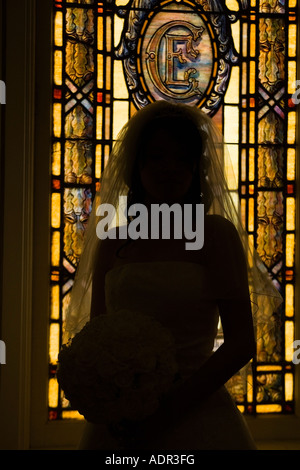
118	367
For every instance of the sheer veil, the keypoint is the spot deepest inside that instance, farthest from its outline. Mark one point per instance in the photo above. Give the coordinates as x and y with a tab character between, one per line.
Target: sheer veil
117	179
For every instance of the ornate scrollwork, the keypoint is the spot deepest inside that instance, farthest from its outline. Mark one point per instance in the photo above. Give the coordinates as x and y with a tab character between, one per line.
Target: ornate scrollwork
192	85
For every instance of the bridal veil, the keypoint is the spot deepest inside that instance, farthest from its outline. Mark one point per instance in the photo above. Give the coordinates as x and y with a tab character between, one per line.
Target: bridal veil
214	166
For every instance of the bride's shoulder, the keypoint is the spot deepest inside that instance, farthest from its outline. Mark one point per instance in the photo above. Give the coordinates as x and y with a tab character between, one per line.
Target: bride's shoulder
217	223
221	233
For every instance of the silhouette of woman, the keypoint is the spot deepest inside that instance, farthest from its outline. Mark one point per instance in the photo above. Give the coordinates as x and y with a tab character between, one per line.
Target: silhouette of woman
173	154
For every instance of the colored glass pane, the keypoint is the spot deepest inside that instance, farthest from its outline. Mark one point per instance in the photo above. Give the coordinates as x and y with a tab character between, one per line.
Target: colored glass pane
109	59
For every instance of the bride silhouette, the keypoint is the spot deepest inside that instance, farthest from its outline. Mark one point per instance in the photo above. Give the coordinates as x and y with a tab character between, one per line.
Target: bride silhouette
166	155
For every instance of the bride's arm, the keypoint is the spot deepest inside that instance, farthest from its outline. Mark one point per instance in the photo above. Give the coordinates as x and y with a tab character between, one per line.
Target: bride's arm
239	342
236	351
103	262
234	305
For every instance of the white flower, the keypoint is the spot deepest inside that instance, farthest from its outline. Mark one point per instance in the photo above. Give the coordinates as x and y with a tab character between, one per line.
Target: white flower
118	367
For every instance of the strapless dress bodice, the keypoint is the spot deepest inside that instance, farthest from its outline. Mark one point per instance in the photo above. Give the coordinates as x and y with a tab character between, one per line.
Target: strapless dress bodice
182	296
178	294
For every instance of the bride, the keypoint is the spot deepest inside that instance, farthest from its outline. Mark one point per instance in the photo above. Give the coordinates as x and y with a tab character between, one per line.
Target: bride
174	154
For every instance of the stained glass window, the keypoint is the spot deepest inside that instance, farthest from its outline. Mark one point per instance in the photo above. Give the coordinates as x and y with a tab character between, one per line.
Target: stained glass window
236	60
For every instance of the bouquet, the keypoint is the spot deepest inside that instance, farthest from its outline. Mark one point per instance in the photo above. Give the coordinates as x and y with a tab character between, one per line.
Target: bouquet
118	367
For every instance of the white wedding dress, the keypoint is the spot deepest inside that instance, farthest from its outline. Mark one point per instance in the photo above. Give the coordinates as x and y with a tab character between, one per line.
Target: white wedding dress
179	295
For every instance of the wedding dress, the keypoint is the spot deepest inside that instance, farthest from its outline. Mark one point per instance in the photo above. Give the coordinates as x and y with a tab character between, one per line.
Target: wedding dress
180	295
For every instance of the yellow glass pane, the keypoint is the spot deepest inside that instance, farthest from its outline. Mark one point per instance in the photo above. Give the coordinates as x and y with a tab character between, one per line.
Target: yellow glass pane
132	109
268	368
292	76
98	161
232	93
232	5
245	39
99	122
241	408
120	88
100	33
251	164
53	393
290	213
58	68
231	124
244	78
250	388
252	40
120	116
232	166
292	40
235	29
291	164
291	127
252	77
57	119
289	339
292	3
55	249
56	156
106	154
244	127
58	29
55	302
290	250
251	214
107	123
289	300
119	23
108	34
55	210
289	386
252	127
243	212
53	342
268	408
72	415
100	71
108	72
243	165
251	245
